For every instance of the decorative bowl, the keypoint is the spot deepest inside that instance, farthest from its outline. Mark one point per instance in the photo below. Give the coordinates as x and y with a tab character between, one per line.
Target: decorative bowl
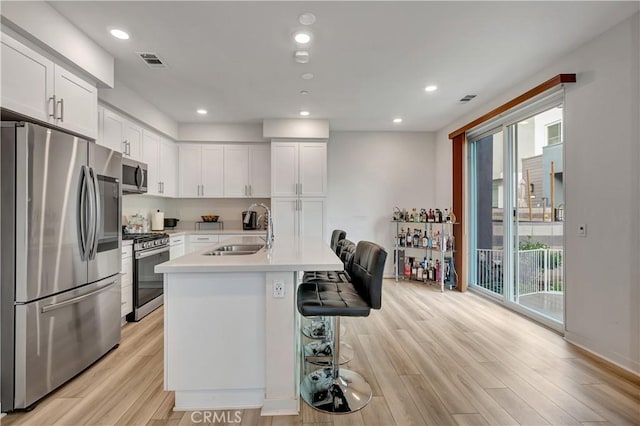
210	218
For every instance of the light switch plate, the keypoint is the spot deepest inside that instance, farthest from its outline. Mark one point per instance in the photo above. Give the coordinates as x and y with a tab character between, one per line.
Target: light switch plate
582	230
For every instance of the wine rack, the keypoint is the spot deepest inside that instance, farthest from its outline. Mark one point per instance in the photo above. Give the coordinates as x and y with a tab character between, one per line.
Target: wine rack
436	242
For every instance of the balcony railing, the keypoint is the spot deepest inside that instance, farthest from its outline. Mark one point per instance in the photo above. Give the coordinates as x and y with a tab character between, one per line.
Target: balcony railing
539	271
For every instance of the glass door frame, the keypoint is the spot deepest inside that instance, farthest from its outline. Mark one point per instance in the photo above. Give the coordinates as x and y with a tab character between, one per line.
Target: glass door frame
508	124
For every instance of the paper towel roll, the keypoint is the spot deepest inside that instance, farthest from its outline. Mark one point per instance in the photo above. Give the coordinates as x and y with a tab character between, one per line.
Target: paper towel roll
157	221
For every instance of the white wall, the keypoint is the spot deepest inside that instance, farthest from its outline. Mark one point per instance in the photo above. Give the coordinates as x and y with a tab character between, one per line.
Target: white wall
299	128
371	172
602	184
220	132
189	210
126	100
44	26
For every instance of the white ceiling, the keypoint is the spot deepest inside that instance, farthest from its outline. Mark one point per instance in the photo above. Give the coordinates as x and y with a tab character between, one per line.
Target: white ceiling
371	60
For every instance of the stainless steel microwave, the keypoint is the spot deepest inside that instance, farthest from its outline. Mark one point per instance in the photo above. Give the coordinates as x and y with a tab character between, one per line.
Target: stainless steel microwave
134	177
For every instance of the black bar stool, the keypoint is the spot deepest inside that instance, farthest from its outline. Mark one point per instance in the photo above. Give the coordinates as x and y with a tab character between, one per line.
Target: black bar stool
332	389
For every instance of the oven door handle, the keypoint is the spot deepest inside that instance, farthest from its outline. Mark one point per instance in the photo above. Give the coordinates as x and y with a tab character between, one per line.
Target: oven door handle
143	254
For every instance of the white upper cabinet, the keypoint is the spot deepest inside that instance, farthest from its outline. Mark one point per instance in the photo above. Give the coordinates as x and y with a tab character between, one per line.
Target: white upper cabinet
260	171
151	156
169	168
189	179
76	103
285	216
133	140
284	169
161	156
34	86
120	134
112	131
200	171
312	169
236	171
298	169
212	170
27	80
247	171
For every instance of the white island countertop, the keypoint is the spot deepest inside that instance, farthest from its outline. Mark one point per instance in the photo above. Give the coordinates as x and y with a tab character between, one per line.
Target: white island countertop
288	254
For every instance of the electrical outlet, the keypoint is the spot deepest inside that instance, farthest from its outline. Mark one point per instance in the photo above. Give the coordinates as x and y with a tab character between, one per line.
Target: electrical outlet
278	289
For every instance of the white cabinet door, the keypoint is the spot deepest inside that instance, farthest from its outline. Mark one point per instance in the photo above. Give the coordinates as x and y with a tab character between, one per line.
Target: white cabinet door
212	170
176	250
151	156
236	171
313	169
76	103
113	131
126	281
169	168
27	80
259	171
285	216
189	171
284	169
311	215
133	137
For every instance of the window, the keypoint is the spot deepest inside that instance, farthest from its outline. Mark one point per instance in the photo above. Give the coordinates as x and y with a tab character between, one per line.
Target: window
554	133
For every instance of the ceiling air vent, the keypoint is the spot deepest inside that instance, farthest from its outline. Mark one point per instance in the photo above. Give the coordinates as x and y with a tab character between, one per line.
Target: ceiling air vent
152	60
467	98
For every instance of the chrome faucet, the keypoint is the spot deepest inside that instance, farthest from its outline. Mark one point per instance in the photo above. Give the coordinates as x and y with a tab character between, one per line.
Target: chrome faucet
247	218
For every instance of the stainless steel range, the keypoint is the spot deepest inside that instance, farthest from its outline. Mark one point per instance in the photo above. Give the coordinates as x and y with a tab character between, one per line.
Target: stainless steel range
149	250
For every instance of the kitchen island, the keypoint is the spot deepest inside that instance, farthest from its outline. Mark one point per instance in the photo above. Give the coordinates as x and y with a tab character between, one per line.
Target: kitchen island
231	332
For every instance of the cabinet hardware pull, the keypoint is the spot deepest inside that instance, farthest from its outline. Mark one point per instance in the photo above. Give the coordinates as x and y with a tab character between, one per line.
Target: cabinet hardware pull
61	102
54	107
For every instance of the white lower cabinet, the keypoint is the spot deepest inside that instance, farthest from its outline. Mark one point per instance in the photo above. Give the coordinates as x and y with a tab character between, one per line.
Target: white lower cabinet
177	247
200	242
126	281
304	217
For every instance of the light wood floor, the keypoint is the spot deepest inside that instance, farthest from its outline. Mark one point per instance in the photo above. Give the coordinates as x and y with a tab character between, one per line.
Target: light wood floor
431	358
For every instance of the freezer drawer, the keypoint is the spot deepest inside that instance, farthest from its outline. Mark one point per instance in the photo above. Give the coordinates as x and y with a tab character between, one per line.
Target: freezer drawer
58	337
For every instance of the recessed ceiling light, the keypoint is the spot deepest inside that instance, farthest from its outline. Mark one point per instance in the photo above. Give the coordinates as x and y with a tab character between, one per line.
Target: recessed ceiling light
307	76
122	35
302	38
307	18
304	113
524	122
304	92
202	111
397	120
431	88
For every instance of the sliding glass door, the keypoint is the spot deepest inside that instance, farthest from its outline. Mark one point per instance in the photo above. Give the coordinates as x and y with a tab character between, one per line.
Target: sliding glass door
518	256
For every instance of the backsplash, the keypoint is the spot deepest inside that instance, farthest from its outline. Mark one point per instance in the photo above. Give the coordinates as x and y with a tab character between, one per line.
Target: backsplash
189	210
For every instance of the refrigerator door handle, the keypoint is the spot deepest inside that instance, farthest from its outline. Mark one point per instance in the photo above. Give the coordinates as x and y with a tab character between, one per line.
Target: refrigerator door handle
54	306
98	216
84	243
92	216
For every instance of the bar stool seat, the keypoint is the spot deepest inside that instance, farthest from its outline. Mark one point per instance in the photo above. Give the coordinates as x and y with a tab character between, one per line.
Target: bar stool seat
333	389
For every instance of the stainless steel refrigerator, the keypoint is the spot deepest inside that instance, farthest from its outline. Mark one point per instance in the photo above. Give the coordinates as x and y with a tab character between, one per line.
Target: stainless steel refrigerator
60	258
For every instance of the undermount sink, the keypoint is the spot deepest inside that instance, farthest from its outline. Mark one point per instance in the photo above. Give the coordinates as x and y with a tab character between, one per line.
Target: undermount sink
235	250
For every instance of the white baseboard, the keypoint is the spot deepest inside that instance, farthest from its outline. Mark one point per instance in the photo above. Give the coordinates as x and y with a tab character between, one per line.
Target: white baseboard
280	407
629	365
218	400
